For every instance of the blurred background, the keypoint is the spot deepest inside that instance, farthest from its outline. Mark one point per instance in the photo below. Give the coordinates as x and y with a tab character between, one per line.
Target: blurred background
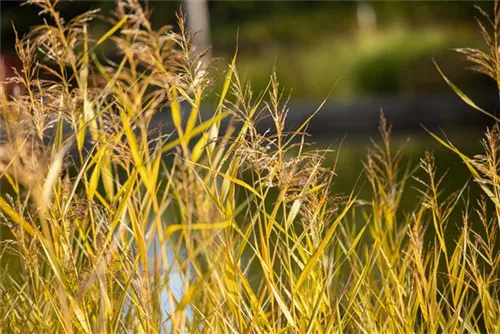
373	47
363	56
357	50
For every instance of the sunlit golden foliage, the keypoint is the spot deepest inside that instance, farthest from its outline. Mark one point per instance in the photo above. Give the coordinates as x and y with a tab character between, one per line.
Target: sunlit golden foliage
115	227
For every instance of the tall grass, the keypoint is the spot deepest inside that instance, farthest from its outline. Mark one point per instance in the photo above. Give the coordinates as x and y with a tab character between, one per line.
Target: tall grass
112	226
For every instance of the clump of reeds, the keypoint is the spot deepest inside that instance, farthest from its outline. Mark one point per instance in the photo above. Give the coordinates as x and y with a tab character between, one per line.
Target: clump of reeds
112	226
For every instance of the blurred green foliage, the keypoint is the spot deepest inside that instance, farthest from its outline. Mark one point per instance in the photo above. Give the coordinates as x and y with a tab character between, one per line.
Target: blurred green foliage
390	61
264	22
317	43
237	11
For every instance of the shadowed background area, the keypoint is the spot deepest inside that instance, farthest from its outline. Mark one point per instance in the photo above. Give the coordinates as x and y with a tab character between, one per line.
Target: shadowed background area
363	56
358	48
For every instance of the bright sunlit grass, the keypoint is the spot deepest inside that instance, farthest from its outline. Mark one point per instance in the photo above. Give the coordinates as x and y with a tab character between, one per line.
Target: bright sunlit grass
115	227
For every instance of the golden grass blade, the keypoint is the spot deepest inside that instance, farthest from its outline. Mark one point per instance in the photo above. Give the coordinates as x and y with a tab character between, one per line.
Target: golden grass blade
171	229
193	116
467	161
324	243
16	218
463	96
230	179
111	31
196	131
